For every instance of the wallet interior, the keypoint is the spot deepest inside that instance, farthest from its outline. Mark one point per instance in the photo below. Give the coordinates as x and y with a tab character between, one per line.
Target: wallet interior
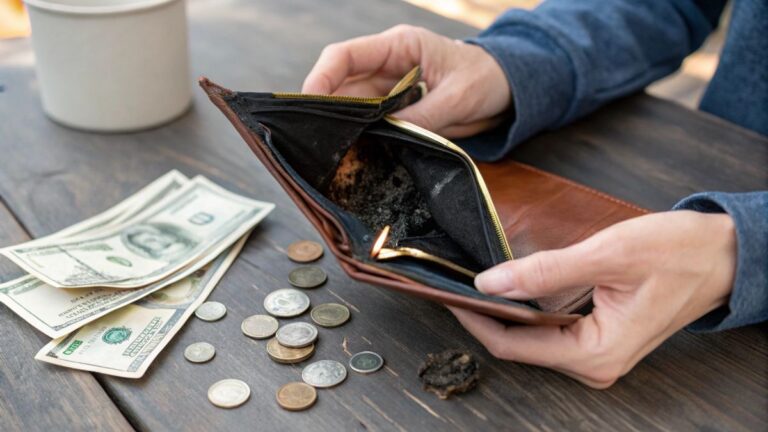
369	172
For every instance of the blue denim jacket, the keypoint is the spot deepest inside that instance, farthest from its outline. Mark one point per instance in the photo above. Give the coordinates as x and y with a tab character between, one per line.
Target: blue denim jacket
568	57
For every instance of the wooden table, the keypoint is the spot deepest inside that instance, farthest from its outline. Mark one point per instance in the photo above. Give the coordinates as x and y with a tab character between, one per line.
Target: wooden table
641	149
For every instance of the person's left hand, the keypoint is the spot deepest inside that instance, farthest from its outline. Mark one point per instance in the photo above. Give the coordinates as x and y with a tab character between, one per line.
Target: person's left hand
652	275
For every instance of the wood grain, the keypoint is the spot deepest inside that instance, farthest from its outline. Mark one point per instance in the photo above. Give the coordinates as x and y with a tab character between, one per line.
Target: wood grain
640	149
35	396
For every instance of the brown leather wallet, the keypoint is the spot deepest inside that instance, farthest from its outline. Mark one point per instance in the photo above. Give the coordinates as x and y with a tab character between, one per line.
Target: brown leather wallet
353	170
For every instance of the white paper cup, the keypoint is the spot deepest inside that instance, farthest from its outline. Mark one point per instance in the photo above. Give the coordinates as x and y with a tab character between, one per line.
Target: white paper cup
111	65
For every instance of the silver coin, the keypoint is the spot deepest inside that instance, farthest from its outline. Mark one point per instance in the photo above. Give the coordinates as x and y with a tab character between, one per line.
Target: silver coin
229	393
324	373
366	362
199	352
297	335
307	277
259	326
211	311
286	303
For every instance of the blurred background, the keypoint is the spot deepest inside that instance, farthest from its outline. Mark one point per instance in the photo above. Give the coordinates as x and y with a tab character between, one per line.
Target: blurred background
685	87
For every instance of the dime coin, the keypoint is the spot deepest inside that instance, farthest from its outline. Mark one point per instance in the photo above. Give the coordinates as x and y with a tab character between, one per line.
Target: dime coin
229	393
297	335
307	277
211	311
286	302
366	362
296	396
286	355
330	314
199	352
324	373
305	251
259	326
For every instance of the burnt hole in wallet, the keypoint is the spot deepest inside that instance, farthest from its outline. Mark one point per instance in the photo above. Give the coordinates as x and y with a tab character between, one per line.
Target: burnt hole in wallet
374	182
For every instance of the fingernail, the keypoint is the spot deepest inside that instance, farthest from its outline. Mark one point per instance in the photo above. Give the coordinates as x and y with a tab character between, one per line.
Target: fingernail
492	281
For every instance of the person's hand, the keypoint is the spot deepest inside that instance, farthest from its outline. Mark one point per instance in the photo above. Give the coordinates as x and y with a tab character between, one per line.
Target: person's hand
652	275
468	91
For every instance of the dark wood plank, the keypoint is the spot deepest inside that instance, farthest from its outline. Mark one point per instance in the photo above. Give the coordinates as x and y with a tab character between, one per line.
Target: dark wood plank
51	177
33	395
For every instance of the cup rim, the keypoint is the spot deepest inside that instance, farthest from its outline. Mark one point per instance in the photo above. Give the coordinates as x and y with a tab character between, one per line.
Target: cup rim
95	10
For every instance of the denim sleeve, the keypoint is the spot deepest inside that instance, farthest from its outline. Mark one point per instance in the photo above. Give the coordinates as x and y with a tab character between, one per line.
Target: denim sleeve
748	303
566	58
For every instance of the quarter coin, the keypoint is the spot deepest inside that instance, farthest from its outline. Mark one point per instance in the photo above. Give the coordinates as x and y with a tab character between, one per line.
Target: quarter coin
211	311
199	352
296	396
330	314
297	335
307	277
229	393
324	373
259	326
286	355
286	302
304	251
366	362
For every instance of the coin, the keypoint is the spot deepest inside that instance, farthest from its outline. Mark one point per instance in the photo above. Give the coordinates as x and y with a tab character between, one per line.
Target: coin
324	373
296	396
330	314
305	251
229	393
286	302
366	362
211	311
297	335
199	352
307	277
286	355
259	326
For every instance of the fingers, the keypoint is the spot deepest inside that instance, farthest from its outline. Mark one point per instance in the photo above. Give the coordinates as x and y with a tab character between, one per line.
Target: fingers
546	346
542	274
574	350
363	55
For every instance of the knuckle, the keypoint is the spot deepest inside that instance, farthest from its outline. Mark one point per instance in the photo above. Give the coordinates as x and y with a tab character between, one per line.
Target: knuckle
405	29
497	349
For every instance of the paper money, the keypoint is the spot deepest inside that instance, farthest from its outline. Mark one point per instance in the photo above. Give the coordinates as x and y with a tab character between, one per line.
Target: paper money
57	312
160	241
125	342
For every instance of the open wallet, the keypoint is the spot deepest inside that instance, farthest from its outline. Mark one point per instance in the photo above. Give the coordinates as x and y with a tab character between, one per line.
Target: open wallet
404	208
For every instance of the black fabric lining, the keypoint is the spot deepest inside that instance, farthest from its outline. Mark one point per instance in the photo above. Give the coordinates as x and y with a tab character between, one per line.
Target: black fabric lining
311	143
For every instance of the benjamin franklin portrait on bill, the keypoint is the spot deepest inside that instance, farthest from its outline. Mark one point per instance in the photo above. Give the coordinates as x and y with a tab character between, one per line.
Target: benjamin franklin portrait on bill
158	241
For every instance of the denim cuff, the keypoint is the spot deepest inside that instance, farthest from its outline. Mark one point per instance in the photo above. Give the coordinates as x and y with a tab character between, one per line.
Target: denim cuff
540	77
748	302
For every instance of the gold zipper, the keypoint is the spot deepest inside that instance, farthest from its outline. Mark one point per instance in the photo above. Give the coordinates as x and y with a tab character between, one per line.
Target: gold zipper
416	130
408	80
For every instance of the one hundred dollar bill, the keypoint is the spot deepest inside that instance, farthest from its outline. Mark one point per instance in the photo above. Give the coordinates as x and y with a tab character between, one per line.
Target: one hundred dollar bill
168	236
125	342
57	312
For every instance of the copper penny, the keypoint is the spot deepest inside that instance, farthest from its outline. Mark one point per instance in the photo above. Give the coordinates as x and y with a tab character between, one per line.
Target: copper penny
304	251
286	355
296	396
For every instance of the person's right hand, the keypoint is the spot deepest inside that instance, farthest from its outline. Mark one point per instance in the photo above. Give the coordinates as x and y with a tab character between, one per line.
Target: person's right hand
468	91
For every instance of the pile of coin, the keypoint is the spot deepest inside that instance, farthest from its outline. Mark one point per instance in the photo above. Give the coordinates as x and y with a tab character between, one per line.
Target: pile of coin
291	343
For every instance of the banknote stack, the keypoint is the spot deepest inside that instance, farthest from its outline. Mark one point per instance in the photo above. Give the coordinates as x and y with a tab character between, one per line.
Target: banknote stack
113	290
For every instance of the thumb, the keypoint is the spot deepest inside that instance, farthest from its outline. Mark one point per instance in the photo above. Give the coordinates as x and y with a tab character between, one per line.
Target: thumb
540	274
432	112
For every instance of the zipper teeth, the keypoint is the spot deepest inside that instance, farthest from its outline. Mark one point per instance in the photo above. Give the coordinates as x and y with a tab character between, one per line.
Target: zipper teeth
483	188
329	98
408	80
